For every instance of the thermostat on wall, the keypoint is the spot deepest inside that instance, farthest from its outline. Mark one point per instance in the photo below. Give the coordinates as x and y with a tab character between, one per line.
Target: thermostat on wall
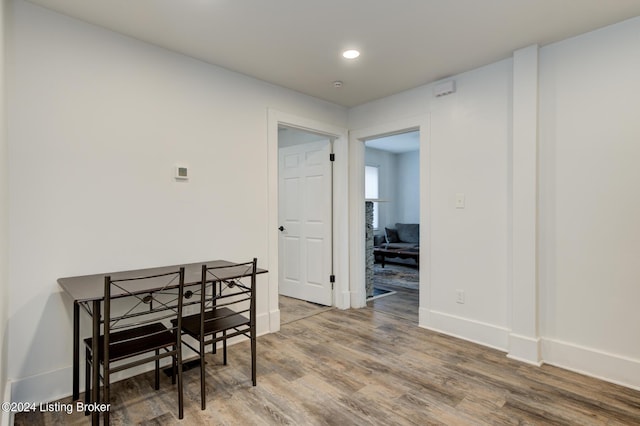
182	173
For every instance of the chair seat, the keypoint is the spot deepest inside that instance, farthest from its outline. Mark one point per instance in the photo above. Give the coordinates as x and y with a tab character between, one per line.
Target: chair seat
135	341
217	320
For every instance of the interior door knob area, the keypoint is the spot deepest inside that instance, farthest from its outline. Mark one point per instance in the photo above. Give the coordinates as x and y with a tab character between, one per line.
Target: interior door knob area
281	228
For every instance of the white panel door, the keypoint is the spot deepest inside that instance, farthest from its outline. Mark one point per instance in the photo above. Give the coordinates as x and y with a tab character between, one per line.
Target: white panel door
304	214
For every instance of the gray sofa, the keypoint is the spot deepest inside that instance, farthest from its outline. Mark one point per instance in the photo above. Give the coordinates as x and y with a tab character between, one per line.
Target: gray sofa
403	236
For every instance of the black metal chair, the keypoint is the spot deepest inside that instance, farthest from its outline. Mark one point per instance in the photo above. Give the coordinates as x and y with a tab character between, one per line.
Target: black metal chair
227	310
139	332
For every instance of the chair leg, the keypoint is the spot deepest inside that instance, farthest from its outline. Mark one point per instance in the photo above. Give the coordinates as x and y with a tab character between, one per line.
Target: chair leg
107	386
97	384
178	362
157	370
87	380
173	366
253	356
224	347
203	397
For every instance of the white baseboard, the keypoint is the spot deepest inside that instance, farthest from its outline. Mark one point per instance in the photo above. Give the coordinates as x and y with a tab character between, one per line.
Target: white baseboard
601	365
344	302
357	299
274	321
612	368
45	387
466	329
524	349
6	418
423	317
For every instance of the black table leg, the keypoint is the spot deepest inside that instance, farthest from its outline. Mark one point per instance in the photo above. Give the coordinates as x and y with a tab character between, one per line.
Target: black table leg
95	372
76	351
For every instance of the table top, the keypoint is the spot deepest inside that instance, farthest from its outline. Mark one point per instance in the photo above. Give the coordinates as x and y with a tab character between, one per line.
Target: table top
91	287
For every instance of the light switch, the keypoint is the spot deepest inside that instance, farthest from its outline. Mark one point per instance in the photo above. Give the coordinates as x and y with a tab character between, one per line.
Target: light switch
459	200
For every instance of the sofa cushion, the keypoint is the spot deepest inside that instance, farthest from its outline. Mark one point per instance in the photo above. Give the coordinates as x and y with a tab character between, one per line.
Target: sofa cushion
408	232
379	240
391	235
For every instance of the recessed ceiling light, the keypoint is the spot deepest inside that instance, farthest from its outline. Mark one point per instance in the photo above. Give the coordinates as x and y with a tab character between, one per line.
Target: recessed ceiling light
350	54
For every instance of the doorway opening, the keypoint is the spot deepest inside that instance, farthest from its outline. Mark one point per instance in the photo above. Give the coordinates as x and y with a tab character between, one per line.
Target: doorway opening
392	209
341	294
357	223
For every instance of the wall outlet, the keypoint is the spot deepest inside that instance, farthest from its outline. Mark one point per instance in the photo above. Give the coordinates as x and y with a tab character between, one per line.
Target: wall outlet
459	296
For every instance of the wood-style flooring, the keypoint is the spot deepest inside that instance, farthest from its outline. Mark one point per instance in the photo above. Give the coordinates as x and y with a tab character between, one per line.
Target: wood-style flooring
367	367
402	303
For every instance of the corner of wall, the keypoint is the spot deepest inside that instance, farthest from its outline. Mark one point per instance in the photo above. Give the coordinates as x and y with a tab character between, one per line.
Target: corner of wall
6	418
524	341
5	393
525	349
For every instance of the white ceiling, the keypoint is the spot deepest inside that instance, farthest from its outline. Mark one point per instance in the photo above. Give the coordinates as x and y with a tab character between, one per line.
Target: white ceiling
297	44
398	144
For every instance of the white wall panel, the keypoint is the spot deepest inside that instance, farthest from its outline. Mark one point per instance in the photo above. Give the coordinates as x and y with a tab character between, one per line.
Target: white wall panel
589	198
468	154
98	123
387	188
4	221
408	187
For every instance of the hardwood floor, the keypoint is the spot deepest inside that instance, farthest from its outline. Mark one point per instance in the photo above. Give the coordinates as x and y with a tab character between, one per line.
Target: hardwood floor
366	367
402	303
294	309
404	300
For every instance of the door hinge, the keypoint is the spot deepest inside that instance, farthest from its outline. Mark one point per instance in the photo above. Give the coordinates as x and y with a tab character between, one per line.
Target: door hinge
332	157
332	280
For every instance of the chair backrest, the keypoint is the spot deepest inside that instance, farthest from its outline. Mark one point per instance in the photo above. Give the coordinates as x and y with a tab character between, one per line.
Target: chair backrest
232	287
151	299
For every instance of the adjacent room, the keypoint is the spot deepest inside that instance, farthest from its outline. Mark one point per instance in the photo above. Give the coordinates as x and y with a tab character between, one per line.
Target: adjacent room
392	197
248	173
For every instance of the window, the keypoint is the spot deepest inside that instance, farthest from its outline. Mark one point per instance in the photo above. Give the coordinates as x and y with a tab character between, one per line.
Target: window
371	181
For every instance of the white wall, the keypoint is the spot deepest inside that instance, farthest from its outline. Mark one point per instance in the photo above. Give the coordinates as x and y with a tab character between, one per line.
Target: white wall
387	177
468	154
4	220
468	140
399	186
589	205
590	202
97	123
408	187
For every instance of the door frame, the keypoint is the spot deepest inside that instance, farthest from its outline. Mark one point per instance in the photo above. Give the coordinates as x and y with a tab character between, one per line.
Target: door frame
357	223
340	237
